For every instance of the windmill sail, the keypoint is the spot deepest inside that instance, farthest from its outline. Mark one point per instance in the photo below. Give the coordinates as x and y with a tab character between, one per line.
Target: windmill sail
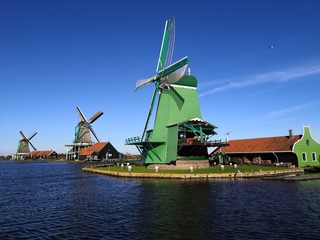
167	73
144	82
22	134
32	146
149	113
167	45
177	70
174	76
95	117
166	53
81	116
94	134
32	135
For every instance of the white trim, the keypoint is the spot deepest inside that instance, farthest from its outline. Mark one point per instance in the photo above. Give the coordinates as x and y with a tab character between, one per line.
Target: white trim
308	126
306	157
180	86
314	154
303	133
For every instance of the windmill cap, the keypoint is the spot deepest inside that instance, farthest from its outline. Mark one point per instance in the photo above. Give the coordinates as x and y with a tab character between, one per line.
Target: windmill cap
187	80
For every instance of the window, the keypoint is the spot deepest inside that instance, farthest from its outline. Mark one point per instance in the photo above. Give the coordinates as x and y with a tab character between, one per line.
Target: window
308	142
304	157
314	156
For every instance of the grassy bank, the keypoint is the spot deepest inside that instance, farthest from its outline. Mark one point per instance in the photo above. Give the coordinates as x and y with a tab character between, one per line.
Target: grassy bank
214	169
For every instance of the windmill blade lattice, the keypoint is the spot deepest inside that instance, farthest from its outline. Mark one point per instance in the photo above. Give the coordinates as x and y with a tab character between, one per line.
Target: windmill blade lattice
167	46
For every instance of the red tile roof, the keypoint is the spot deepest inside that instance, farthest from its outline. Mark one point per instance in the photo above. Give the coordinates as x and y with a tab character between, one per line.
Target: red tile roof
258	145
94	148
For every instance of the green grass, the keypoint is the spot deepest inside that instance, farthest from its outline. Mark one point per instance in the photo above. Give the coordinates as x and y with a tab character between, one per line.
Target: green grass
213	169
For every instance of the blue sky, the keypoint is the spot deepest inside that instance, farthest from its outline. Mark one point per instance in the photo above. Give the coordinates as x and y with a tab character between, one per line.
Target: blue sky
57	55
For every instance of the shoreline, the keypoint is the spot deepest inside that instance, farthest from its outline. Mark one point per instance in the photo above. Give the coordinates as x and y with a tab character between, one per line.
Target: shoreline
194	175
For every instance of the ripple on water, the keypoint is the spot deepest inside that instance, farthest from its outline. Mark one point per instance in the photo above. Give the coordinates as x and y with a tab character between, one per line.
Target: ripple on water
59	201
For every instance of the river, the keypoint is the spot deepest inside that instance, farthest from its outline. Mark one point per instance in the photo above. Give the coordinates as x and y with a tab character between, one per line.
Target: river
48	200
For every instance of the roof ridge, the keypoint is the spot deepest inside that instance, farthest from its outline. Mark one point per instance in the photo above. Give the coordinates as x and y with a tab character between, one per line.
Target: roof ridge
287	136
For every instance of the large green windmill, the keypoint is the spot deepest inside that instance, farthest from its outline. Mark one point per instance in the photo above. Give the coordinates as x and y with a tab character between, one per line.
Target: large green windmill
179	133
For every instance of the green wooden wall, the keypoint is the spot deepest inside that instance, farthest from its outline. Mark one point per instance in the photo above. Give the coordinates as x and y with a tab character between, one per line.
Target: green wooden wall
171	109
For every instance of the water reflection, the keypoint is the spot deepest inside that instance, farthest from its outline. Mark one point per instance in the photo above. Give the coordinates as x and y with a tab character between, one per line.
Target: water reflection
174	208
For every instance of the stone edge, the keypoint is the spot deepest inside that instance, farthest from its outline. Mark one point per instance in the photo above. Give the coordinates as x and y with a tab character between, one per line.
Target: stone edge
192	175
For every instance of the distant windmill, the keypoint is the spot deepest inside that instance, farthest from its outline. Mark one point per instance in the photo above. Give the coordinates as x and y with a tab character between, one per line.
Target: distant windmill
83	129
23	145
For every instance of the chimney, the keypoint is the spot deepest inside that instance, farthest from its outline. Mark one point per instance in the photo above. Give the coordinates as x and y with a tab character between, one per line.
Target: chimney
290	133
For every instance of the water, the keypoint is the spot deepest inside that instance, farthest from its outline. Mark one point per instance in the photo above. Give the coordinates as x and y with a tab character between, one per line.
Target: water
59	201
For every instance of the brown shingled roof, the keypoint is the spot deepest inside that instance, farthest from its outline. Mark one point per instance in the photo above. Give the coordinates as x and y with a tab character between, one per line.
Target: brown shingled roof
255	145
40	153
94	148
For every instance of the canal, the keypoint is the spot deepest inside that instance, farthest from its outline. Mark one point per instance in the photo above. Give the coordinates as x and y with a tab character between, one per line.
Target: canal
48	200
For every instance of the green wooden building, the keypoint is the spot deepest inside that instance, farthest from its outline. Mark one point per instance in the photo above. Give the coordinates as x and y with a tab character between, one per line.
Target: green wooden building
307	150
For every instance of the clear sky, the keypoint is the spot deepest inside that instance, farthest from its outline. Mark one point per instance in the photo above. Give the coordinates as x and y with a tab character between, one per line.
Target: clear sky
57	55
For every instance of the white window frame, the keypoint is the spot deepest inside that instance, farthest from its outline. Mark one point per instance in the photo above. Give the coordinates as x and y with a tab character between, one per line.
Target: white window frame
304	157
314	156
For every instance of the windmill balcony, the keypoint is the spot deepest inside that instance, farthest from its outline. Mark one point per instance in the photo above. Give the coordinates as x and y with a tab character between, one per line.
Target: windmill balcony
132	140
218	141
196	141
